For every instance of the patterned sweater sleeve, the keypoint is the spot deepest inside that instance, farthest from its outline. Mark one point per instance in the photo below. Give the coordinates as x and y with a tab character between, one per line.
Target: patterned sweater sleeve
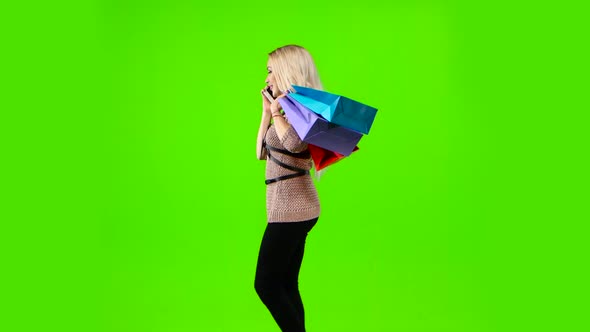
291	141
263	153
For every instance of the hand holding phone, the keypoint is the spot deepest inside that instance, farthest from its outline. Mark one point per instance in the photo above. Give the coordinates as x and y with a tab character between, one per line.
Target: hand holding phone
268	94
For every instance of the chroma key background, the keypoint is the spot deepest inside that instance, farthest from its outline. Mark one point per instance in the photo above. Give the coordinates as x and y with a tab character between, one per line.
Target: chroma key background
133	201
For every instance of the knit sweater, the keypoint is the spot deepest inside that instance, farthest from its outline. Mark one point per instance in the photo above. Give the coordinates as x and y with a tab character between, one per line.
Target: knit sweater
294	199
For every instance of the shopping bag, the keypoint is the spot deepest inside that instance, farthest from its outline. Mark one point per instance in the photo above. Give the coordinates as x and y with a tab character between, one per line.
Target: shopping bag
323	158
316	130
336	109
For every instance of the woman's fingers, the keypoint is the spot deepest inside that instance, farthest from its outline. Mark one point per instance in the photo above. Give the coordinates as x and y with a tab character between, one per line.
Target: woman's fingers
275	106
264	98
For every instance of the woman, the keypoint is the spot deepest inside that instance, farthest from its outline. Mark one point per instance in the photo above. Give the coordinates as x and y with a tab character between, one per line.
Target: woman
292	203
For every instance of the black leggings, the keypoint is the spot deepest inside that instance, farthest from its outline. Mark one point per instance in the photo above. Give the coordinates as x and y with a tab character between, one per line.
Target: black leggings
277	271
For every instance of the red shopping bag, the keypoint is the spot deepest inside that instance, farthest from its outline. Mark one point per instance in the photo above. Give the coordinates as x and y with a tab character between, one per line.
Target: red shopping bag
323	158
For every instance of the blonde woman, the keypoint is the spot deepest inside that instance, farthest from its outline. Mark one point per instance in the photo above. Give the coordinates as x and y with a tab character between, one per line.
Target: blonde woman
292	204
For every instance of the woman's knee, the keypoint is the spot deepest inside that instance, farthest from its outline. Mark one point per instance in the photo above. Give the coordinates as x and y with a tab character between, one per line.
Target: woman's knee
266	286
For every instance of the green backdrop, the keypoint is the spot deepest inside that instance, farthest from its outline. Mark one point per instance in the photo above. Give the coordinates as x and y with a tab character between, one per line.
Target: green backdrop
133	200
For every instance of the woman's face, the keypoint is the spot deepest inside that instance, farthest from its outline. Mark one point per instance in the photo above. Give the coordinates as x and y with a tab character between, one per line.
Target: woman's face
271	82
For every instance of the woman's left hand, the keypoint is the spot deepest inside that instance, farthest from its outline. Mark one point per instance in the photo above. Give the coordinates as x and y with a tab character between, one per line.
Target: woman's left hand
276	107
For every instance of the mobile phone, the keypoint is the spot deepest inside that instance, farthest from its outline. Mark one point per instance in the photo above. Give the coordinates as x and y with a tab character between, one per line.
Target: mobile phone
268	94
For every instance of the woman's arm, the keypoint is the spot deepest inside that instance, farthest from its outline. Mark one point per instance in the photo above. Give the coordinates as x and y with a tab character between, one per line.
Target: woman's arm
264	124
281	125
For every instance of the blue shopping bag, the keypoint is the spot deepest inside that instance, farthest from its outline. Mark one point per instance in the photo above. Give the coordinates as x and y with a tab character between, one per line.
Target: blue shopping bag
336	109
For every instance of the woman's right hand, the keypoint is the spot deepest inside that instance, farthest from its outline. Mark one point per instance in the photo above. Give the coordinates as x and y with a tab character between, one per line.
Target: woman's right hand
265	104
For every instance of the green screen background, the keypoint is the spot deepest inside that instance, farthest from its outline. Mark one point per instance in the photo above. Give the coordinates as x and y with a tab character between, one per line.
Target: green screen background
133	200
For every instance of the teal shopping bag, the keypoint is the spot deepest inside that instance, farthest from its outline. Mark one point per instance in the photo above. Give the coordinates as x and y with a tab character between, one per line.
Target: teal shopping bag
337	109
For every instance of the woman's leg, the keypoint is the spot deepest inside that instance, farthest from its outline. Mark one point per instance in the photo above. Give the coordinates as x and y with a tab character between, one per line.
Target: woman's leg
292	274
291	280
279	258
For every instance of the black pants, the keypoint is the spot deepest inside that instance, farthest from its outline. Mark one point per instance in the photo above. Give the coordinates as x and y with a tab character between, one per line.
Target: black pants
277	272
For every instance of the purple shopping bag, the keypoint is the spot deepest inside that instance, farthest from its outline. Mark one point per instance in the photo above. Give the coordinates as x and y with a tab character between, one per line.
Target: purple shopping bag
316	130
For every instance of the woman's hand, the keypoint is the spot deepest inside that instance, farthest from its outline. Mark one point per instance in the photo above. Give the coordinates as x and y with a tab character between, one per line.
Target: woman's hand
275	107
280	122
266	105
